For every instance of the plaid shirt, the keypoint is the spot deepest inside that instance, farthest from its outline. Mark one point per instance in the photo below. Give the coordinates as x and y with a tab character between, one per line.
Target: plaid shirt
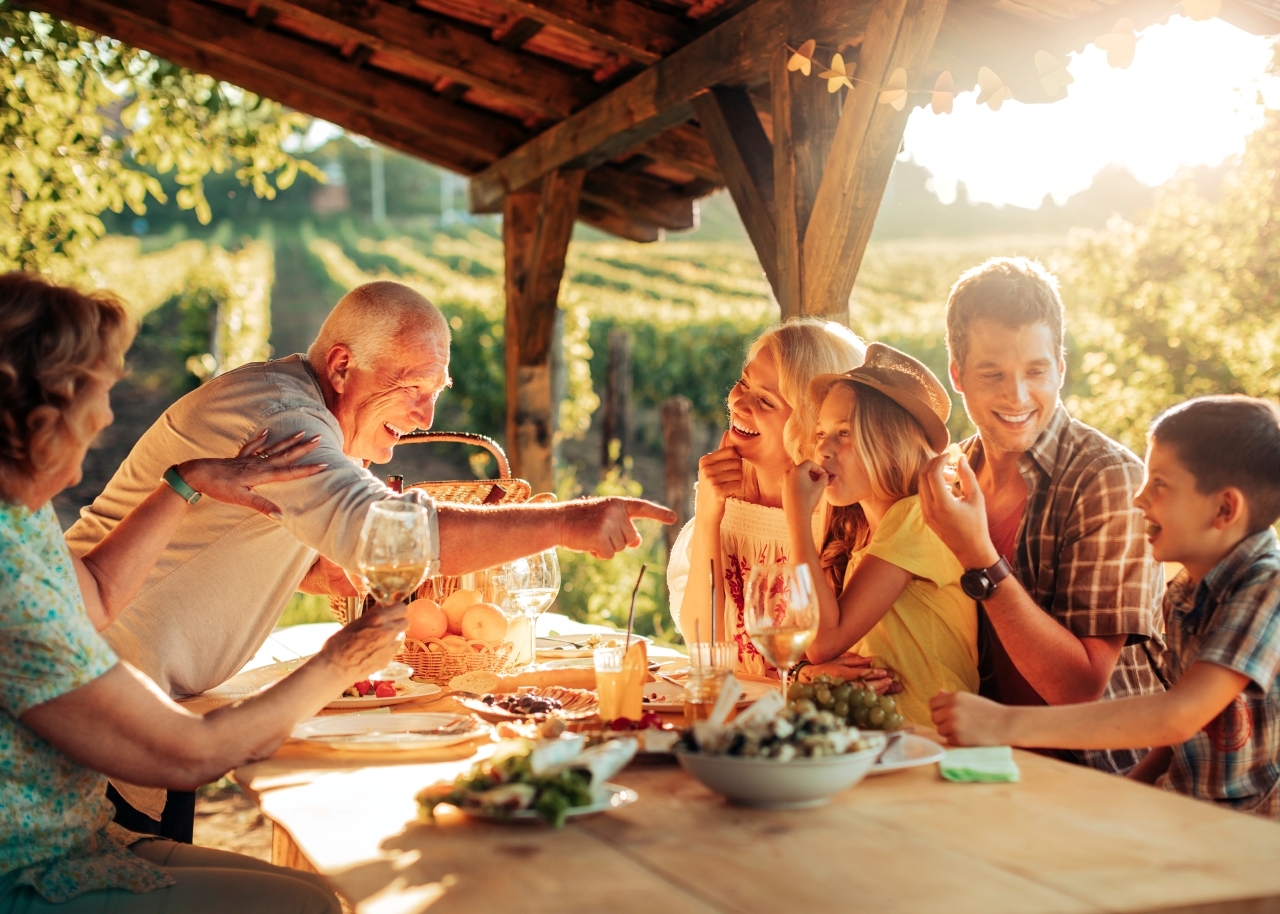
1232	619
1082	556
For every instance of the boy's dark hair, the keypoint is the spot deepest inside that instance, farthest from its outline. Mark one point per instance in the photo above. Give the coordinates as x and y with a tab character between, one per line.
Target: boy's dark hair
1013	291
1229	442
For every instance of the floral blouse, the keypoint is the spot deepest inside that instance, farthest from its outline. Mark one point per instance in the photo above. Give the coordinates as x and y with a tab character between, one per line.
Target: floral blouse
56	833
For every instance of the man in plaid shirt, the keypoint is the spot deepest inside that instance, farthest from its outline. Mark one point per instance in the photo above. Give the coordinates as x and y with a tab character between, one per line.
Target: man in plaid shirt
1053	547
1211	495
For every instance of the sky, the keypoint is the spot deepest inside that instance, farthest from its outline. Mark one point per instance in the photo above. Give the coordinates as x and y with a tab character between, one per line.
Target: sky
1191	97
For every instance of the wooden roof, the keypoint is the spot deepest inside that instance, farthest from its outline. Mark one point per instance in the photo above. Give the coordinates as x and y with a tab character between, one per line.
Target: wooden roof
506	90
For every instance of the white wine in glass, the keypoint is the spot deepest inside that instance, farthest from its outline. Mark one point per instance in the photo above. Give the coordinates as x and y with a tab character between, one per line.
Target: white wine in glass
781	614
532	585
395	549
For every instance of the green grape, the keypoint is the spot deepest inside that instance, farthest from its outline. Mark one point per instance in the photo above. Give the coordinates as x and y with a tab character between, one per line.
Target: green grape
796	691
893	721
840	709
805	706
869	698
822	695
876	717
861	715
842	692
887	704
806	690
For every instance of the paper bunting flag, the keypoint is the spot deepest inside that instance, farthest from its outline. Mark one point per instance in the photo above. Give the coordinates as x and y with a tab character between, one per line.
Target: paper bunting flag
944	93
1200	10
895	90
802	59
991	89
1119	44
1053	75
837	76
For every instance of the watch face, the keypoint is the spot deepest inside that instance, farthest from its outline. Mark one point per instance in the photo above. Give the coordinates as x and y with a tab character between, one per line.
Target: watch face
976	584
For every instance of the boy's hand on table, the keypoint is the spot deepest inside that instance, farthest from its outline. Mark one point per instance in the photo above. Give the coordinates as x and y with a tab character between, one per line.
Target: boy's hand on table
965	719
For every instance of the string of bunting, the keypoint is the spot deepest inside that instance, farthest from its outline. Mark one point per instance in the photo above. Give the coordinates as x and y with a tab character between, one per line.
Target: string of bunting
1119	43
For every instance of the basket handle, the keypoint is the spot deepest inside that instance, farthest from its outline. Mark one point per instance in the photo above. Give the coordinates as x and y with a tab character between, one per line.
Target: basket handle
472	438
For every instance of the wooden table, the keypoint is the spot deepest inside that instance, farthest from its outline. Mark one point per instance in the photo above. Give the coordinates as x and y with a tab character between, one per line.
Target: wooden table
1064	839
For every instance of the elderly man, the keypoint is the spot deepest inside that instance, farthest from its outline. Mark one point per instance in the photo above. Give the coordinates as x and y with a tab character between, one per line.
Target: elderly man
374	373
1054	549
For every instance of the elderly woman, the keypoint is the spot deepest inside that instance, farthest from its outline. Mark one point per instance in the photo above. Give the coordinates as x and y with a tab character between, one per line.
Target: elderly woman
71	714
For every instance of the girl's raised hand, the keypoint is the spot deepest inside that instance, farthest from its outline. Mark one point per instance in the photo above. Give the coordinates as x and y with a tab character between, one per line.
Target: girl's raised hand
720	473
802	487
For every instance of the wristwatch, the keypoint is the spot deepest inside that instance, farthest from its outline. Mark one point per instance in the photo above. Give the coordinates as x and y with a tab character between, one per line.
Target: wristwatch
179	485
980	583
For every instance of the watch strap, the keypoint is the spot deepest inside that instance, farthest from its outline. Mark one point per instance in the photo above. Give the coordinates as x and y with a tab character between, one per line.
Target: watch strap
999	571
179	485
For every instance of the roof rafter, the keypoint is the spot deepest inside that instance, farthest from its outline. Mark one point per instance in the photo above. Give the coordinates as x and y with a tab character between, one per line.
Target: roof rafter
621	26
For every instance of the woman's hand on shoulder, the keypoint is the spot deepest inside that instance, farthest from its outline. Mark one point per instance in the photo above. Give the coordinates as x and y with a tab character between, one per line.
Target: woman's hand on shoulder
233	479
802	487
720	474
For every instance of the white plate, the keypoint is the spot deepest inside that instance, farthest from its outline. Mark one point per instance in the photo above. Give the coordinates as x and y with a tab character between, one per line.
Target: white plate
609	796
909	752
416	690
393	731
671	696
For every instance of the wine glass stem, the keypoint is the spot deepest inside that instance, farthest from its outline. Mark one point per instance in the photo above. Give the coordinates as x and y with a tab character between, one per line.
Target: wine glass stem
533	640
785	675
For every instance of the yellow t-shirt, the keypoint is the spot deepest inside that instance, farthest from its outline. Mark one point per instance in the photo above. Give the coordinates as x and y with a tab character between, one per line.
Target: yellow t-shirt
929	637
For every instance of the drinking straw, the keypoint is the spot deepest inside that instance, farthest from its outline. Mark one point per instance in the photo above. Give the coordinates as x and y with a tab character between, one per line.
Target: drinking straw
631	617
713	601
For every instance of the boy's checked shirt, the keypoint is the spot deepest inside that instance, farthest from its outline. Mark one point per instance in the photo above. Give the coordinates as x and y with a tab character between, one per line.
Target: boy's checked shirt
1232	619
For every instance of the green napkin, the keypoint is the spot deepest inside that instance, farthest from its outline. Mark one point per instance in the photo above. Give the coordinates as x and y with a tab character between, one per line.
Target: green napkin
985	764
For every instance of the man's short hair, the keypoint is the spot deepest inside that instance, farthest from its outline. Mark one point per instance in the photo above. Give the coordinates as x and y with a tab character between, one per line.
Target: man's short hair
1228	442
371	317
1013	291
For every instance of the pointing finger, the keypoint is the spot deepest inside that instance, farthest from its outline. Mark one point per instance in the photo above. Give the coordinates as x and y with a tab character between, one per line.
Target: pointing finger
638	507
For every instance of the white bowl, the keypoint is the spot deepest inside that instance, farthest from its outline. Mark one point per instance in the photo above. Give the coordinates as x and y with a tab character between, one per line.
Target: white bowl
770	784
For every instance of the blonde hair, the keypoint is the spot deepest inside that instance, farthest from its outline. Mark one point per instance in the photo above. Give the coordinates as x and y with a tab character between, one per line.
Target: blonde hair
893	449
54	342
803	348
368	320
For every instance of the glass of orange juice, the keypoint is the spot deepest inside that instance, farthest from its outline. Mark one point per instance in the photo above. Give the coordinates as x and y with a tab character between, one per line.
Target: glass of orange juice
620	680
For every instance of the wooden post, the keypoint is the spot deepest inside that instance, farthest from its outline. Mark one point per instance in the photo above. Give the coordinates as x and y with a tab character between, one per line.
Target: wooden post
536	226
616	422
677	449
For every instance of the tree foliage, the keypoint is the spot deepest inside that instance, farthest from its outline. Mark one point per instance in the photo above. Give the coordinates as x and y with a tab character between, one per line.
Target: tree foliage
88	122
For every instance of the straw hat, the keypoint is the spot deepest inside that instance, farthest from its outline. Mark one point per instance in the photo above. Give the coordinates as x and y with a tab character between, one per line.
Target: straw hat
906	381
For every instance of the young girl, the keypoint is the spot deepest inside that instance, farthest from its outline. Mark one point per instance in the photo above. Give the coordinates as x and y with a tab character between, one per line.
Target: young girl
888	586
738	520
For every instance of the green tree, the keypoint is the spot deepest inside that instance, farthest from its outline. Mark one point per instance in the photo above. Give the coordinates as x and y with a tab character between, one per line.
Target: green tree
88	122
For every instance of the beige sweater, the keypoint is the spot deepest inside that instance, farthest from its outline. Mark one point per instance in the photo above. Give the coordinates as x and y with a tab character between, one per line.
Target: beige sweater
223	581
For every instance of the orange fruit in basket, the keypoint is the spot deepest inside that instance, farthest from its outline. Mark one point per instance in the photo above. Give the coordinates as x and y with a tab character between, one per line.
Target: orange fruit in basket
455	643
484	622
426	620
455	606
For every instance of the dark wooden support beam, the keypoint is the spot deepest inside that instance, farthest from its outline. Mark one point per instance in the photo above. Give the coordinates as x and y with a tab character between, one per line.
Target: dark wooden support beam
624	226
450	48
536	228
239	52
350	114
515	35
901	33
638	196
620	26
735	53
686	148
732	128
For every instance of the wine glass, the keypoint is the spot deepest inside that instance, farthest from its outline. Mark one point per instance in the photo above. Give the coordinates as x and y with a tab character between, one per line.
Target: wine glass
532	584
781	614
395	552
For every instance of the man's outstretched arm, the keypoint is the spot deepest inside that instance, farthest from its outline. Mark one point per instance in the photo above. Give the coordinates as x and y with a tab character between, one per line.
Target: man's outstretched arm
472	538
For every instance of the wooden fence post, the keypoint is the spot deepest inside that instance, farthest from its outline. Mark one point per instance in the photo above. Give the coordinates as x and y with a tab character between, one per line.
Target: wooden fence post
677	449
616	424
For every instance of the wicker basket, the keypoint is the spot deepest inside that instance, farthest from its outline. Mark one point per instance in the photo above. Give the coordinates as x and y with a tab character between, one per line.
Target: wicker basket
436	660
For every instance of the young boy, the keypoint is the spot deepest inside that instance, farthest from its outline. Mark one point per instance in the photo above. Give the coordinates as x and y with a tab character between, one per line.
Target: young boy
1211	494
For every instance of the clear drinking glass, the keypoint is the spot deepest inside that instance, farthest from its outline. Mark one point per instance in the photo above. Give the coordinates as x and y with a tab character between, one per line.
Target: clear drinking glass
395	549
532	585
781	614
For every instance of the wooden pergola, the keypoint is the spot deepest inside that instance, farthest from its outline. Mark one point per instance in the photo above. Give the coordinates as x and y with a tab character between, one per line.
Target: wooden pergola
623	113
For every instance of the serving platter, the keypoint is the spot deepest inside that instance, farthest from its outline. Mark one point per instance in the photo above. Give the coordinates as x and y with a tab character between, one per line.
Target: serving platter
415	691
608	796
910	751
379	733
584	709
667	696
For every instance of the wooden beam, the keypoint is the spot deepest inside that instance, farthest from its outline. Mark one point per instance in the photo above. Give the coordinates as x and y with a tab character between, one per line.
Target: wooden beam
447	47
626	227
735	53
620	26
900	34
732	128
638	196
245	50
536	228
686	148
348	114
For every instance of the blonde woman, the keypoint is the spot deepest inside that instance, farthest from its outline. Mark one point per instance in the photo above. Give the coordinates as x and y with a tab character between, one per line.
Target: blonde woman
738	520
889	587
71	713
